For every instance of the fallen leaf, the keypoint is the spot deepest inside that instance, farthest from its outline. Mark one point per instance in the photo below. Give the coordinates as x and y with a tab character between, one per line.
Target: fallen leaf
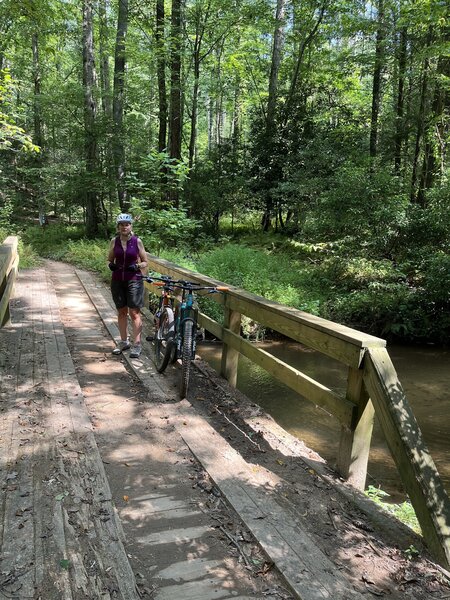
64	563
126	498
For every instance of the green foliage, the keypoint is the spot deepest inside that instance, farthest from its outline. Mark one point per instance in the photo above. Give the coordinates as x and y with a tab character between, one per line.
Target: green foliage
164	228
158	176
12	137
404	512
90	255
51	241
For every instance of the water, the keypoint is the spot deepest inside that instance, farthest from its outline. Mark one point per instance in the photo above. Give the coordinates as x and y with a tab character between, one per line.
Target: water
423	371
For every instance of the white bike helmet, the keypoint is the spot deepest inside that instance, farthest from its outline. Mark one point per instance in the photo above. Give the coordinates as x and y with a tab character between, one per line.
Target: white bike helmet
124	218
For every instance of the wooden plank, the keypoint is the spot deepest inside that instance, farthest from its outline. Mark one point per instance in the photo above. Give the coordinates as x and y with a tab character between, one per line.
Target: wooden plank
310	574
339	342
72	514
416	468
310	389
8	293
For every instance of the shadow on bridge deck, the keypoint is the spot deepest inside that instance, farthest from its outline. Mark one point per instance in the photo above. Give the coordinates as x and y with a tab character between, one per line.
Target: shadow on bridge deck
112	488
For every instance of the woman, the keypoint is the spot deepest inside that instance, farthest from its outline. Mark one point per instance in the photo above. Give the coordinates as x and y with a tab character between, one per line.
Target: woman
126	258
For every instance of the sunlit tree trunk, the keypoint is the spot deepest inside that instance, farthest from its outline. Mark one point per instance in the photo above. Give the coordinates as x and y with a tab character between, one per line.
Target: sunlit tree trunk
161	71
90	111
420	121
277	49
376	84
436	131
37	118
106	97
118	101
399	124
175	117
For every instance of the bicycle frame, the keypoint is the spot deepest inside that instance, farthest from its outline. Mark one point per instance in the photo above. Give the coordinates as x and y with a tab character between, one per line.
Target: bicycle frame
176	325
187	311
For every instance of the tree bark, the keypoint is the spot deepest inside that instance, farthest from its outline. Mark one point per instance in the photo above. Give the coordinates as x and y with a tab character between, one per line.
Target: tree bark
106	96
420	121
376	85
90	112
175	123
435	134
399	122
277	49
298	63
118	101
105	80
161	73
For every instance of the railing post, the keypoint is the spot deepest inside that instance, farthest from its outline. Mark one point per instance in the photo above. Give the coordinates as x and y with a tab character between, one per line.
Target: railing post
230	356
354	444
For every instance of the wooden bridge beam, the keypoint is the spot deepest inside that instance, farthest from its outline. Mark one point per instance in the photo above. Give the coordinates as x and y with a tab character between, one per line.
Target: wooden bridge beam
354	444
414	463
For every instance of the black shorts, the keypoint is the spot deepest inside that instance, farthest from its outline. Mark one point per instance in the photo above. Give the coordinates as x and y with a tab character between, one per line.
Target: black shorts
128	293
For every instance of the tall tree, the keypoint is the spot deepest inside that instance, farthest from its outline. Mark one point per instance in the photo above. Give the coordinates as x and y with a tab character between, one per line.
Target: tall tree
176	117
376	82
90	133
161	73
118	100
399	117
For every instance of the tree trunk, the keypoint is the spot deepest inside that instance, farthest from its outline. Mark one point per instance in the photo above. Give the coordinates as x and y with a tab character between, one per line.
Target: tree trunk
105	87
90	111
420	121
193	136
298	63
161	71
37	91
175	122
105	80
118	101
37	117
399	124
376	85
435	138
277	49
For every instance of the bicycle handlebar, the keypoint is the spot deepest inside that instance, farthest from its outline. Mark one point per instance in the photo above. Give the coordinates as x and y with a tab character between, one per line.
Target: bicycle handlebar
167	281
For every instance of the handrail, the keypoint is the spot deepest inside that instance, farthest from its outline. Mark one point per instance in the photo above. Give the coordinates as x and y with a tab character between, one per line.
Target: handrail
372	386
9	262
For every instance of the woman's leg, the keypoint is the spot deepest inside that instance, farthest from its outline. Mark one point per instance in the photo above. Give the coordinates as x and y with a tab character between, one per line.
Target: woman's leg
136	321
122	321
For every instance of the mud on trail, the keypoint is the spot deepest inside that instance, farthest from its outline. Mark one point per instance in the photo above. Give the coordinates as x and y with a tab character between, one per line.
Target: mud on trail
138	439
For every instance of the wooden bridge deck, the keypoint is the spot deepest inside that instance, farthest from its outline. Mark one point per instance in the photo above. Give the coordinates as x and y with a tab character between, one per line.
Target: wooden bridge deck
98	468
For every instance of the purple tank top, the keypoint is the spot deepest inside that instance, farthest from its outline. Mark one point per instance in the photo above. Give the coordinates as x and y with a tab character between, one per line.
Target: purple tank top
125	259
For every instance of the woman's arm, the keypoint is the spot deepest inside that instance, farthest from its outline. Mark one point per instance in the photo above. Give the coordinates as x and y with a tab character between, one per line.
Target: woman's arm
111	251
142	255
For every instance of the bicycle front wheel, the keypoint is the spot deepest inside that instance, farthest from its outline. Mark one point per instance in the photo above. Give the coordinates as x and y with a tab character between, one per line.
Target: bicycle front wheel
186	357
164	340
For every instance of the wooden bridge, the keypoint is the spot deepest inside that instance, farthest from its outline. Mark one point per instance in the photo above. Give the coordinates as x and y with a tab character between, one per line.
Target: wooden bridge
61	532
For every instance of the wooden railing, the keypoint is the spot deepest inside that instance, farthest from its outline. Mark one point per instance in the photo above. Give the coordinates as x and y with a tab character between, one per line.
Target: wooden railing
9	261
372	387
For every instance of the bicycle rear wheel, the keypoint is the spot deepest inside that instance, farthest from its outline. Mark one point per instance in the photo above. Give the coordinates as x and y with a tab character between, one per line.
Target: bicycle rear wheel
186	357
164	342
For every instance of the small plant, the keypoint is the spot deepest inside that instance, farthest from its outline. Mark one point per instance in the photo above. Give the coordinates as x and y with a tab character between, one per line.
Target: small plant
404	511
411	552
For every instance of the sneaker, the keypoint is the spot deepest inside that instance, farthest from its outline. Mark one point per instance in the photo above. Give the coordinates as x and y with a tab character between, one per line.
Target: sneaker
121	346
136	351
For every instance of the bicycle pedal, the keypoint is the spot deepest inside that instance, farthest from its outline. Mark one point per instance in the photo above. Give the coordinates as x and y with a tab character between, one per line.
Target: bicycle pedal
150	338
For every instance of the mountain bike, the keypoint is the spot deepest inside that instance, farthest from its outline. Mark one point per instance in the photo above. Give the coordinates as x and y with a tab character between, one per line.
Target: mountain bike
176	324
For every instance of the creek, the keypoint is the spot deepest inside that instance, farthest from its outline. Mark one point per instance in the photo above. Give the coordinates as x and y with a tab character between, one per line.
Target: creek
425	376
